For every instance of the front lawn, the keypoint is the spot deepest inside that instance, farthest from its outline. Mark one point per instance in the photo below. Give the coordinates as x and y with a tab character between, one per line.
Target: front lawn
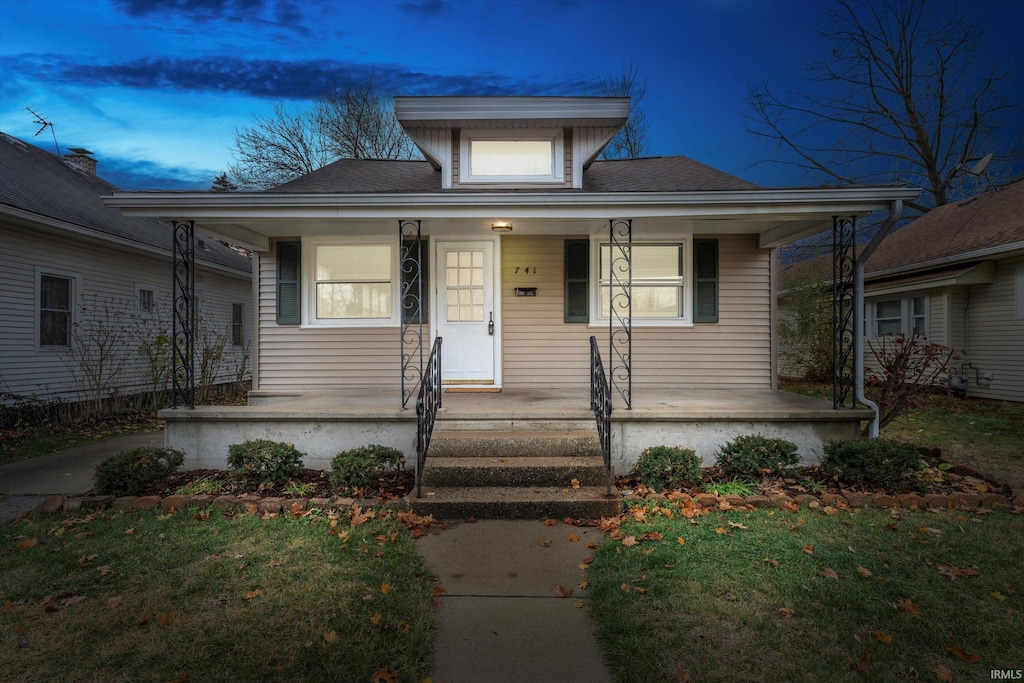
200	596
768	595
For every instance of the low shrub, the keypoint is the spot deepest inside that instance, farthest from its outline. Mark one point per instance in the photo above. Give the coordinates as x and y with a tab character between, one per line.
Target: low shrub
871	462
754	455
362	467
668	467
265	462
131	472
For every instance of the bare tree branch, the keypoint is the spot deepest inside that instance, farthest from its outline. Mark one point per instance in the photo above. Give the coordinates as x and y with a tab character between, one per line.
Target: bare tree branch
631	140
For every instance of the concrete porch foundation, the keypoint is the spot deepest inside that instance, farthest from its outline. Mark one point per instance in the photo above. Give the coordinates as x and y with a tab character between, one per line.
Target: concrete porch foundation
321	424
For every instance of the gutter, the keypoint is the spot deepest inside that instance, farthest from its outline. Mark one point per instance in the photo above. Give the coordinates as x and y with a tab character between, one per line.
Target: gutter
895	211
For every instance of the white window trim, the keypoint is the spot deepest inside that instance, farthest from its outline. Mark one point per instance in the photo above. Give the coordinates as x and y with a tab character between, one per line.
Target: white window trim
231	321
555	135
1020	290
596	317
309	319
155	313
906	313
76	305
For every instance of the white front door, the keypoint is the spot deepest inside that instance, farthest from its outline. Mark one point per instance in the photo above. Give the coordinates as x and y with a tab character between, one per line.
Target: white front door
465	312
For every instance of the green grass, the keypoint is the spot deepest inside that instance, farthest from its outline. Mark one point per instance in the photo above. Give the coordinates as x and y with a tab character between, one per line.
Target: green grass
710	606
149	597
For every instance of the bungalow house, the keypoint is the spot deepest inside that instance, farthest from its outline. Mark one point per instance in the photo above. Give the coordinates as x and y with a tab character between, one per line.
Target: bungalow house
561	285
85	310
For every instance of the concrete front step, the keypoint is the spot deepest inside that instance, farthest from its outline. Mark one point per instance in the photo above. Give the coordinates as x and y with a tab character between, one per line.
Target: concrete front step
510	444
586	502
540	471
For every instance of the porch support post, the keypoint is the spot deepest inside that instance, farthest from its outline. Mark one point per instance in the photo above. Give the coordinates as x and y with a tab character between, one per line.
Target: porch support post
410	262
183	320
844	266
620	309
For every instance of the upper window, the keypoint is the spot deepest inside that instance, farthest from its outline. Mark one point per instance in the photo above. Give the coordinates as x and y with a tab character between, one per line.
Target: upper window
907	316
55	296
237	324
660	283
511	156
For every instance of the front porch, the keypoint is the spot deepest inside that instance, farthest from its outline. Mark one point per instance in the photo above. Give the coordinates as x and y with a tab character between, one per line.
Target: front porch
323	423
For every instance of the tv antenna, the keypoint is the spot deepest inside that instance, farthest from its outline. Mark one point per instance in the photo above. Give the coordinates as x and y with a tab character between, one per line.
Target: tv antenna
39	120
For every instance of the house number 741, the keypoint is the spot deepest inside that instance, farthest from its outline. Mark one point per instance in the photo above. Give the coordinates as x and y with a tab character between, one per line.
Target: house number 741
526	269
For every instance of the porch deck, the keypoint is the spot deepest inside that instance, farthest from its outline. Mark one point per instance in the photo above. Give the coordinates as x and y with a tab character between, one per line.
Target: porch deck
323	423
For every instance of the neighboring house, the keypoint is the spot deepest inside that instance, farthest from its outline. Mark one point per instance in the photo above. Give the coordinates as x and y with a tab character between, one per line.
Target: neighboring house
85	291
515	212
956	276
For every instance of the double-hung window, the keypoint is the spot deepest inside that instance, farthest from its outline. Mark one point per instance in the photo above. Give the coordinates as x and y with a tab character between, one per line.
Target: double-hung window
56	294
353	284
906	315
660	283
237	324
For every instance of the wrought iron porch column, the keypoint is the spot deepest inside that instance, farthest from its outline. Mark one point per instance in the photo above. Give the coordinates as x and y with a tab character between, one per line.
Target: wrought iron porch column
844	266
620	309
183	286
411	256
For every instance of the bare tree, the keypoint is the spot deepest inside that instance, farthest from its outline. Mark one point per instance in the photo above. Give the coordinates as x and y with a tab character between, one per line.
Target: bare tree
279	148
901	97
222	183
359	121
631	140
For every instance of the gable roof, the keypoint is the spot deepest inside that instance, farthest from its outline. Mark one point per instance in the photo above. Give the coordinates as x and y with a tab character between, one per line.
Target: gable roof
956	232
38	182
380	176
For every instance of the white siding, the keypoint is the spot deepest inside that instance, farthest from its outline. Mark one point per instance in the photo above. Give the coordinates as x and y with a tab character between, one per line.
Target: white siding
108	279
995	336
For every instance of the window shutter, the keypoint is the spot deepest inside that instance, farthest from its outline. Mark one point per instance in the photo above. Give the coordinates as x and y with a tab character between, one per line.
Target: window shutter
409	308
705	281
577	281
289	258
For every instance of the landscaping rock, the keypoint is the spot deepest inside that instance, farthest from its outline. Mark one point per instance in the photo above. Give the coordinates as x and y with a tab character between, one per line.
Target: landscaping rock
249	503
937	500
320	503
912	501
173	503
683	498
884	501
965	500
858	500
73	503
780	500
832	500
758	501
124	503
294	504
49	504
200	500
807	500
993	500
146	503
270	506
96	502
706	500
225	503
344	502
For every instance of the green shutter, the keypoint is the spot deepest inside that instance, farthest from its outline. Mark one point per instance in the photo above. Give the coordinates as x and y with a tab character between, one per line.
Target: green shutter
289	259
705	281
409	308
577	281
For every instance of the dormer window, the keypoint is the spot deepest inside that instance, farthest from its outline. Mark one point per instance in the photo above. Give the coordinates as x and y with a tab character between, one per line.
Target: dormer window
512	156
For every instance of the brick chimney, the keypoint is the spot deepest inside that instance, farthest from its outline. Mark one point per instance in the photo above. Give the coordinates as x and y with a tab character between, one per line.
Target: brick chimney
81	159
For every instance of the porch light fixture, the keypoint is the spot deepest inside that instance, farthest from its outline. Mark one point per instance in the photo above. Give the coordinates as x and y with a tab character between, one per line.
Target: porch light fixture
501	227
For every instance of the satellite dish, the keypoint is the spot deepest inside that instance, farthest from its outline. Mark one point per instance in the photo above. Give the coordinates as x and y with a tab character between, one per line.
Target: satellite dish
980	167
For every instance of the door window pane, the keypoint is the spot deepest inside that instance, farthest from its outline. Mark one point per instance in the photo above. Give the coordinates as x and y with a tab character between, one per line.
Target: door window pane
464	278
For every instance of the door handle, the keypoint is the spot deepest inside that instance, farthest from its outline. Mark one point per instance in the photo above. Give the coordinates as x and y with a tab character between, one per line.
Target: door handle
490	325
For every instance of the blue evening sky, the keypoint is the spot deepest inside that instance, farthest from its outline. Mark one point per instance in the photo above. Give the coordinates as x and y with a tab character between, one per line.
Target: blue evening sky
156	88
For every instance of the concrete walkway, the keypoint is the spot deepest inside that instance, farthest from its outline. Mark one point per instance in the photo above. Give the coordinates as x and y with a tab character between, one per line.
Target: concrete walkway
501	619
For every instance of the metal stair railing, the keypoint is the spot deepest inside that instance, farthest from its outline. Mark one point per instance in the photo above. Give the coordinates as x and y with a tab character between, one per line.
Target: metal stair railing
428	402
601	404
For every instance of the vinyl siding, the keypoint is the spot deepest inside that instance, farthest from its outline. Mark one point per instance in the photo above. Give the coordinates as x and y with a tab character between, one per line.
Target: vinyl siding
540	349
995	337
107	279
294	358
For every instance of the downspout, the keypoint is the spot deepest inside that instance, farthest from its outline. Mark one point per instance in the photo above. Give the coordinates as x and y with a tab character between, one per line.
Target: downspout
895	211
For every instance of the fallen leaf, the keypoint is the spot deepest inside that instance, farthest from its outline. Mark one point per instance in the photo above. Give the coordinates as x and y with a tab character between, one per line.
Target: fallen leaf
565	490
577	604
114	602
573	538
651	536
786	612
593	546
549	522
251	594
165	620
929	530
583	585
682	675
881	636
331	637
771	562
911	607
129	532
583	566
862	665
86	560
403	626
943	674
956	572
736	525
809	548
385	588
544	544
104	570
863	572
438	590
629	541
26	543
998	596
376	619
626	588
850	549
829	573
384	675
561	591
720	530
275	563
575	483
963	654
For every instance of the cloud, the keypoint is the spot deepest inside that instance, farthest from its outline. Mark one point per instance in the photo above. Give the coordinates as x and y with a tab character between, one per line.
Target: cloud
275	79
425	9
200	9
136	174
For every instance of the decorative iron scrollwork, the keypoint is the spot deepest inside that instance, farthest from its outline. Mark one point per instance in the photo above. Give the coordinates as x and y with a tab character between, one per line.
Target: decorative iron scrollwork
620	309
411	255
184	314
844	261
601	405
